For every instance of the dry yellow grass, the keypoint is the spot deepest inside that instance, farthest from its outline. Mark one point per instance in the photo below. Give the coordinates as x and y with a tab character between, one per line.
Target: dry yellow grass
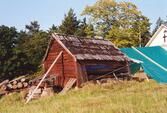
126	97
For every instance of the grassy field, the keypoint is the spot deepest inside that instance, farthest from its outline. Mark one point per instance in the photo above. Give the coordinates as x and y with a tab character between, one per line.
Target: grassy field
126	97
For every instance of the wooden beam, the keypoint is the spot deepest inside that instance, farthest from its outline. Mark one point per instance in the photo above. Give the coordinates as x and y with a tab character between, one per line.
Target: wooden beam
77	75
62	61
128	68
115	76
68	85
83	67
81	74
44	76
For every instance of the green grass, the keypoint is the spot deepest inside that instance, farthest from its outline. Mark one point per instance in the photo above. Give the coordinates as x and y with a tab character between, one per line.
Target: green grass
126	97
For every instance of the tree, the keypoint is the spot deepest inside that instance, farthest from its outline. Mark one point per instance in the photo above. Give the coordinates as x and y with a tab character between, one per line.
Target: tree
33	27
159	22
33	43
120	22
20	53
53	29
9	62
89	30
72	26
70	23
36	47
84	29
143	30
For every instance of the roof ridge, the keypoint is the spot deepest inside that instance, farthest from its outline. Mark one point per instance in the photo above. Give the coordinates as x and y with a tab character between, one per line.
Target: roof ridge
79	37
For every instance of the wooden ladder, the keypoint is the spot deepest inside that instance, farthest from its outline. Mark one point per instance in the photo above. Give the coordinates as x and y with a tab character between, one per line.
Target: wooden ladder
68	85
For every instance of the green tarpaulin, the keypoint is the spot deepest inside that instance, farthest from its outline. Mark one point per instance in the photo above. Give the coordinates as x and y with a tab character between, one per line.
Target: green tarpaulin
156	70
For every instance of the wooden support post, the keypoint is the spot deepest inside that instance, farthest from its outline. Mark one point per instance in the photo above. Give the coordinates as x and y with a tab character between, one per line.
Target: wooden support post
85	73
44	76
129	71
63	77
115	76
82	74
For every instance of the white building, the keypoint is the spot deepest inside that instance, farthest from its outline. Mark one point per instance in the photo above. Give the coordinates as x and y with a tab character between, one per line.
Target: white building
159	38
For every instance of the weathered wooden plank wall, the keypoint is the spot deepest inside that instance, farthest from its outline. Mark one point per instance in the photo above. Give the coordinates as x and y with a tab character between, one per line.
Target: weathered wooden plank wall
65	68
110	66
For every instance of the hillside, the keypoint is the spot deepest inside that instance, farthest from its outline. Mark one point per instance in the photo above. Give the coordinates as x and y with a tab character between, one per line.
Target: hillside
126	97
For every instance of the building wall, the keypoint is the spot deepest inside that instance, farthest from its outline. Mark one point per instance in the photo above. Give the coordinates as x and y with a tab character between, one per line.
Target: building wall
66	66
158	39
97	68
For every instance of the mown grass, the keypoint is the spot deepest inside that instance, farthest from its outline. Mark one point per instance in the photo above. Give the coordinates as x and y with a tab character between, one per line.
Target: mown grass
126	97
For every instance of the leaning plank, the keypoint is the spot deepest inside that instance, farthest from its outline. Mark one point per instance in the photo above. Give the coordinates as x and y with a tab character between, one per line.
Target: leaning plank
115	76
44	76
68	85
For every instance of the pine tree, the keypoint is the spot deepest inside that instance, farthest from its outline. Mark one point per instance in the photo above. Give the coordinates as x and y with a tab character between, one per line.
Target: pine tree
70	24
9	61
33	43
33	27
53	29
158	24
84	29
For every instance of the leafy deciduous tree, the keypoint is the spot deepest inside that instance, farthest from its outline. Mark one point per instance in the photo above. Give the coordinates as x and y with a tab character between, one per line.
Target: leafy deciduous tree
121	22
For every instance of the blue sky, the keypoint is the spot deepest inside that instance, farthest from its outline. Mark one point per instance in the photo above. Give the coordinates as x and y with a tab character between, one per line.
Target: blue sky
18	13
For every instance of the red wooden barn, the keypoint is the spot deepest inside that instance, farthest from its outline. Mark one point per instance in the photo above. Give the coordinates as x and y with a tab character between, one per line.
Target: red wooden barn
83	59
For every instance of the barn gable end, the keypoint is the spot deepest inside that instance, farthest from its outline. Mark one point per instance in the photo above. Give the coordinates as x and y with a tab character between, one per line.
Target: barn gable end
66	66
